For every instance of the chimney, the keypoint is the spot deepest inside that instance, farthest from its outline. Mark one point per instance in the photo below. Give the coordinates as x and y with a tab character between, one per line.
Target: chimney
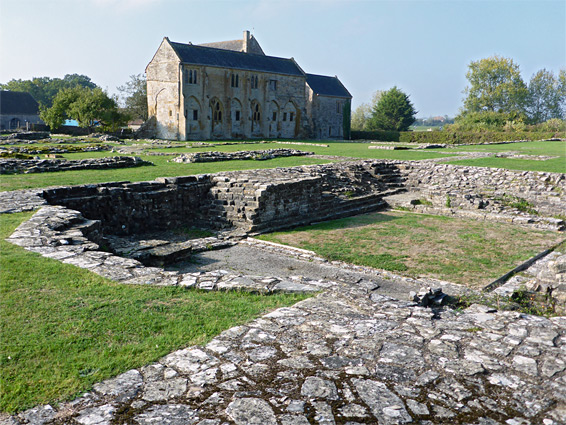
246	41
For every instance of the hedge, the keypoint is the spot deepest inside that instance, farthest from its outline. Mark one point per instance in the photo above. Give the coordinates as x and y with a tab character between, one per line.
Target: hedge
461	137
380	135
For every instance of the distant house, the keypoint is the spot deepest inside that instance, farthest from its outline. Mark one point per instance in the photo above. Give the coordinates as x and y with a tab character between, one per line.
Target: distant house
18	110
135	125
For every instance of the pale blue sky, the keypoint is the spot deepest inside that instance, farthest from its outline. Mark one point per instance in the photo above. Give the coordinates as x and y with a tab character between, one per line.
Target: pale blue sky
422	46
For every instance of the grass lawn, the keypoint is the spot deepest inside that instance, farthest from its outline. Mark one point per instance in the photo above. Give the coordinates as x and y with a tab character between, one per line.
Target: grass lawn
163	168
472	253
556	165
63	328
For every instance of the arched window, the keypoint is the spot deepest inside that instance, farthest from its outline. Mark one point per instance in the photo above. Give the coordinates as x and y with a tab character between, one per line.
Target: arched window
256	113
216	111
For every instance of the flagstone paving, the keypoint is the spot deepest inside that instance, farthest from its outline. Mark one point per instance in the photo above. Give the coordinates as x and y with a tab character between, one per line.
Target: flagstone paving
348	355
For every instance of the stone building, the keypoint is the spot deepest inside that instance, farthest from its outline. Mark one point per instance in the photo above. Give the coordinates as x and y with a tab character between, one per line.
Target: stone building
231	89
18	110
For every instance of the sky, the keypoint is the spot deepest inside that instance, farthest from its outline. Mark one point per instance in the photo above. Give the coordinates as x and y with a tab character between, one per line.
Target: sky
423	47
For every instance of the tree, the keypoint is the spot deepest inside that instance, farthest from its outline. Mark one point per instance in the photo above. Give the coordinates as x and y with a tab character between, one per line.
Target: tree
44	89
545	97
495	86
362	114
87	106
134	94
562	85
393	111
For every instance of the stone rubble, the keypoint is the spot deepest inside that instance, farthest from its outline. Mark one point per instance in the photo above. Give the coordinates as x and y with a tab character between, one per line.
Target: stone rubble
214	156
16	166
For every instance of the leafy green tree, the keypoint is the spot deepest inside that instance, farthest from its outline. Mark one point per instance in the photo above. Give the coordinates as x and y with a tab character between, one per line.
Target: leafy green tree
87	106
484	120
562	85
393	111
44	89
546	97
360	116
495	86
134	94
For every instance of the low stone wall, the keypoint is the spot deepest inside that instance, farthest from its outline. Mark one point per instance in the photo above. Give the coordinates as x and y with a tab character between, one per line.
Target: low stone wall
261	155
272	199
17	166
490	189
251	201
126	208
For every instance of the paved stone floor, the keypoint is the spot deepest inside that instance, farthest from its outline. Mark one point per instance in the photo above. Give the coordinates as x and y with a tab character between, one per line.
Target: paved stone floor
348	355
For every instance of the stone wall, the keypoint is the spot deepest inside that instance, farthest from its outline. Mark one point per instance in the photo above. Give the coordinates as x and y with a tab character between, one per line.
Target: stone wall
215	156
251	201
489	189
327	116
272	199
127	208
15	166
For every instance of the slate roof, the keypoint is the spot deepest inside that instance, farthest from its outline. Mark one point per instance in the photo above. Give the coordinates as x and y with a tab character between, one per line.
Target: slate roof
209	56
327	86
17	103
235	45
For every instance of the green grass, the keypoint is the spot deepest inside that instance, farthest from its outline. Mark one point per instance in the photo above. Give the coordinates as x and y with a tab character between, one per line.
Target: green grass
163	168
468	252
556	165
64	328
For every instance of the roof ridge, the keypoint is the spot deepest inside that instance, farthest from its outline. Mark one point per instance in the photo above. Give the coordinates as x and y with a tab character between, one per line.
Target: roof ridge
200	46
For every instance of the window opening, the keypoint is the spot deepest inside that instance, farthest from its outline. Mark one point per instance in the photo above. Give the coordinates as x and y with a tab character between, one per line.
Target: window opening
235	80
256	113
191	76
216	112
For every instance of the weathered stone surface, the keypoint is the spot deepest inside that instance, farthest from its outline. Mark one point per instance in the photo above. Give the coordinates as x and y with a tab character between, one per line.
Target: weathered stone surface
350	359
214	156
386	407
126	384
21	200
168	414
39	415
101	415
251	411
10	166
317	388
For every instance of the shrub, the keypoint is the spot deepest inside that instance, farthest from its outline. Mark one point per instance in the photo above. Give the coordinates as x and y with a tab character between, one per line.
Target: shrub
461	137
380	135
